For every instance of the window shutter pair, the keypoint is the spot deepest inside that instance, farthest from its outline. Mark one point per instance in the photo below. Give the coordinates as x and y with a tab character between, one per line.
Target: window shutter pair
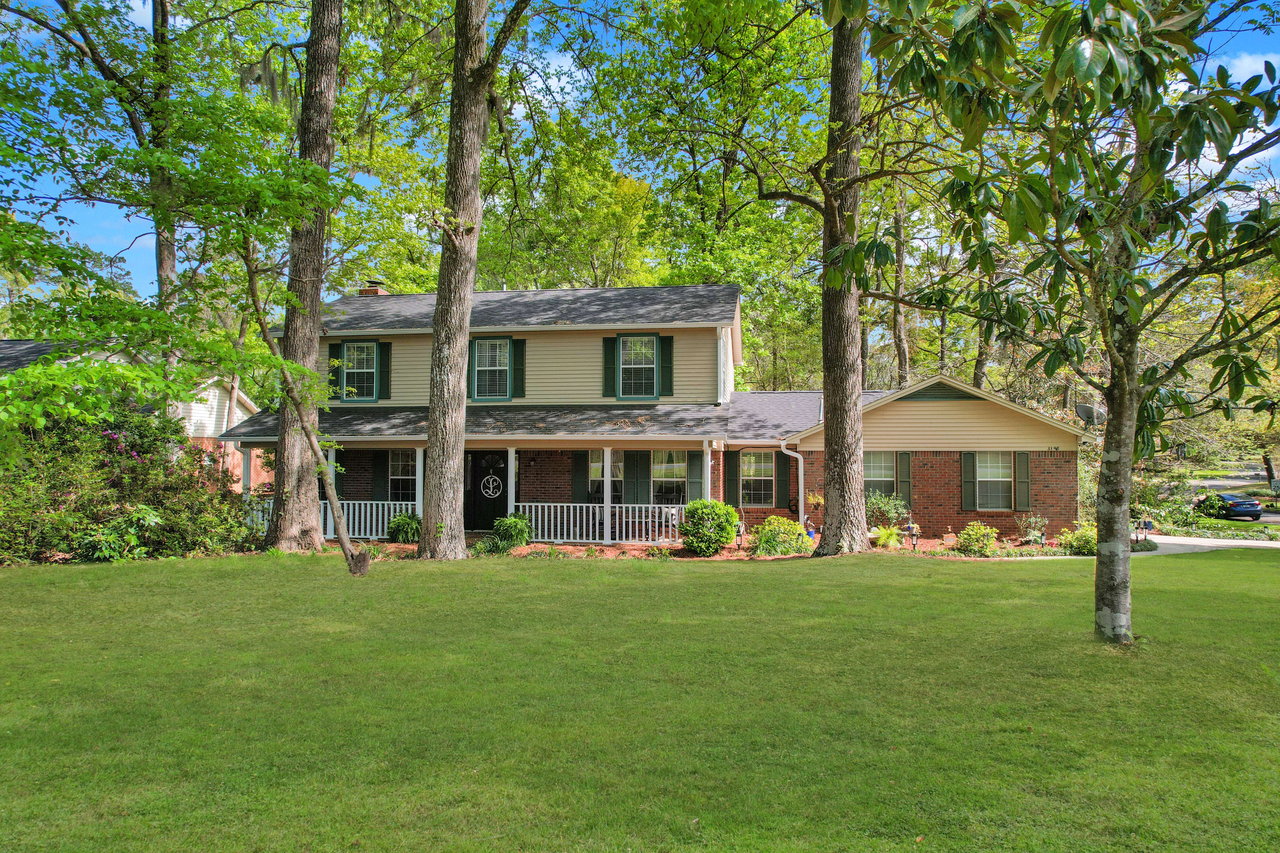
732	484
515	366
666	366
1021	482
337	380
781	480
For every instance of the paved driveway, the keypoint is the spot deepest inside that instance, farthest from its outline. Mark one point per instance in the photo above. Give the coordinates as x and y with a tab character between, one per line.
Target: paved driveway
1192	544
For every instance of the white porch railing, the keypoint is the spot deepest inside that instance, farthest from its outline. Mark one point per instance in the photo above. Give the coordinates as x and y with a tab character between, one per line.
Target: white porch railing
580	522
365	519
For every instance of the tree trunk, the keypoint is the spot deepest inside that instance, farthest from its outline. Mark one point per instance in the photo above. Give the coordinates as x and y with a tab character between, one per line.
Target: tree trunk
295	520
1112	618
942	341
845	527
864	349
982	357
1270	467
443	536
899	288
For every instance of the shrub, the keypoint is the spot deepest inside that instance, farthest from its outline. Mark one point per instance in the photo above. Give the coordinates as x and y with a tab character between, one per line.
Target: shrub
708	526
977	540
885	510
889	537
128	487
778	536
1031	527
516	529
405	528
1211	505
1081	542
1141	545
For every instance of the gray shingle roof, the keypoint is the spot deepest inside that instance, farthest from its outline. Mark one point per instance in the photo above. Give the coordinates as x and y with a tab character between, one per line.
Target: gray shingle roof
18	354
692	305
750	416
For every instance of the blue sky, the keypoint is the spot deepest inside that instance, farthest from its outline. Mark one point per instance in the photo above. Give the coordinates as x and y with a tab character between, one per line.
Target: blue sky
104	229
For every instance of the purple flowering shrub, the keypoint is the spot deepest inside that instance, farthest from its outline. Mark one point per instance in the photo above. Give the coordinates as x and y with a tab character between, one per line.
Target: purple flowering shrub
131	488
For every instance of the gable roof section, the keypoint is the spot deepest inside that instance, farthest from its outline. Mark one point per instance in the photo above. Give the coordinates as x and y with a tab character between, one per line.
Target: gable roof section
954	389
693	305
17	354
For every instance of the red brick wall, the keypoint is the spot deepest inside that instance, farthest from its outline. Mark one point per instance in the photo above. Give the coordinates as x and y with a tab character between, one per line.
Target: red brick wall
230	459
544	476
355	483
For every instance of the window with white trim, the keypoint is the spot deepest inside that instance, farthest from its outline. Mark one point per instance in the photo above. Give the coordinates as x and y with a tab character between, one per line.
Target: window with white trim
638	366
492	369
878	471
669	475
360	370
595	476
402	475
994	474
756	472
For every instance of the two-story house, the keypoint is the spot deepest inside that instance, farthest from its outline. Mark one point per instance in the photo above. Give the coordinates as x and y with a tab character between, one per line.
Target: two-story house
601	413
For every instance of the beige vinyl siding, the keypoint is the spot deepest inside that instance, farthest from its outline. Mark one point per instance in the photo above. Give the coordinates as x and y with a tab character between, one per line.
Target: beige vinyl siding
410	368
953	425
561	367
206	416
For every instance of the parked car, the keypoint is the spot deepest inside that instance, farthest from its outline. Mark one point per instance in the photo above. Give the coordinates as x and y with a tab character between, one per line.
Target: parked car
1235	506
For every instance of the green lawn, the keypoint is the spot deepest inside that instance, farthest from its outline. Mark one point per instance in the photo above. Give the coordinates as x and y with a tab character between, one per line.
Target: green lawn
853	704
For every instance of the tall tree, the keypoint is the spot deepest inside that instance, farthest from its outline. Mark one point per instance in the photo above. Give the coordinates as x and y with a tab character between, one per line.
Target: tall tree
475	64
295	520
1127	184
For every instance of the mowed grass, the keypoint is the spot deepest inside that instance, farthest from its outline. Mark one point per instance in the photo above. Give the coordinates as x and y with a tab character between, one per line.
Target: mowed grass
861	703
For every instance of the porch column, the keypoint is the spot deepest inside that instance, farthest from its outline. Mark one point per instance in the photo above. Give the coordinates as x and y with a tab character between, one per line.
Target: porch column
417	485
246	468
706	469
607	473
333	476
511	480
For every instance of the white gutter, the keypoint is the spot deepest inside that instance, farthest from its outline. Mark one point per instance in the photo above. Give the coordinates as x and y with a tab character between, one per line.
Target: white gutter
782	445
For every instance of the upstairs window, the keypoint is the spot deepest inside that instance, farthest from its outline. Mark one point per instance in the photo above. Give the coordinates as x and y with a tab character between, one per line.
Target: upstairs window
757	477
878	471
670	477
402	475
595	476
994	479
360	370
638	366
492	379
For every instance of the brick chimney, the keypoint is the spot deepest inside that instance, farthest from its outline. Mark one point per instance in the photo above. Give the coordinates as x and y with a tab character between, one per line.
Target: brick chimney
373	288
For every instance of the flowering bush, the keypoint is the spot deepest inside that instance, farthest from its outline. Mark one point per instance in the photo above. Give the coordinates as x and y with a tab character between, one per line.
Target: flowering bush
133	487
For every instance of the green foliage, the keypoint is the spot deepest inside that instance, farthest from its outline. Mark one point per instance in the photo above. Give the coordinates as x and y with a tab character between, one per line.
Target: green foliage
977	540
405	528
889	536
657	552
1081	542
1139	546
885	510
513	531
778	536
1211	504
515	528
125	488
1031	526
708	526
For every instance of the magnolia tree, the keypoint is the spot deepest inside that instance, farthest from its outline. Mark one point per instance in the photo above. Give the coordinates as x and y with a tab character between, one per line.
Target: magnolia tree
1128	186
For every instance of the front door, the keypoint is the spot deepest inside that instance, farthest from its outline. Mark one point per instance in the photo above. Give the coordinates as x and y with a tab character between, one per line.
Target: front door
485	497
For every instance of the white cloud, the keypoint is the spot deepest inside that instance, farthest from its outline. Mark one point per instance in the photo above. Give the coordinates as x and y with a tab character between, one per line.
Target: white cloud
1244	65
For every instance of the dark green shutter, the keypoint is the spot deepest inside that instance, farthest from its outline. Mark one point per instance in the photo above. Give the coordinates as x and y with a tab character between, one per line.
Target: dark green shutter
517	367
781	480
635	477
666	365
335	371
697	488
609	387
338	457
904	477
471	373
581	473
380	465
968	482
384	370
1022	482
732	485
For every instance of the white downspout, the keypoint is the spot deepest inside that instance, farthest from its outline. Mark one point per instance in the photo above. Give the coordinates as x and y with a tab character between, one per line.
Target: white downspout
782	445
